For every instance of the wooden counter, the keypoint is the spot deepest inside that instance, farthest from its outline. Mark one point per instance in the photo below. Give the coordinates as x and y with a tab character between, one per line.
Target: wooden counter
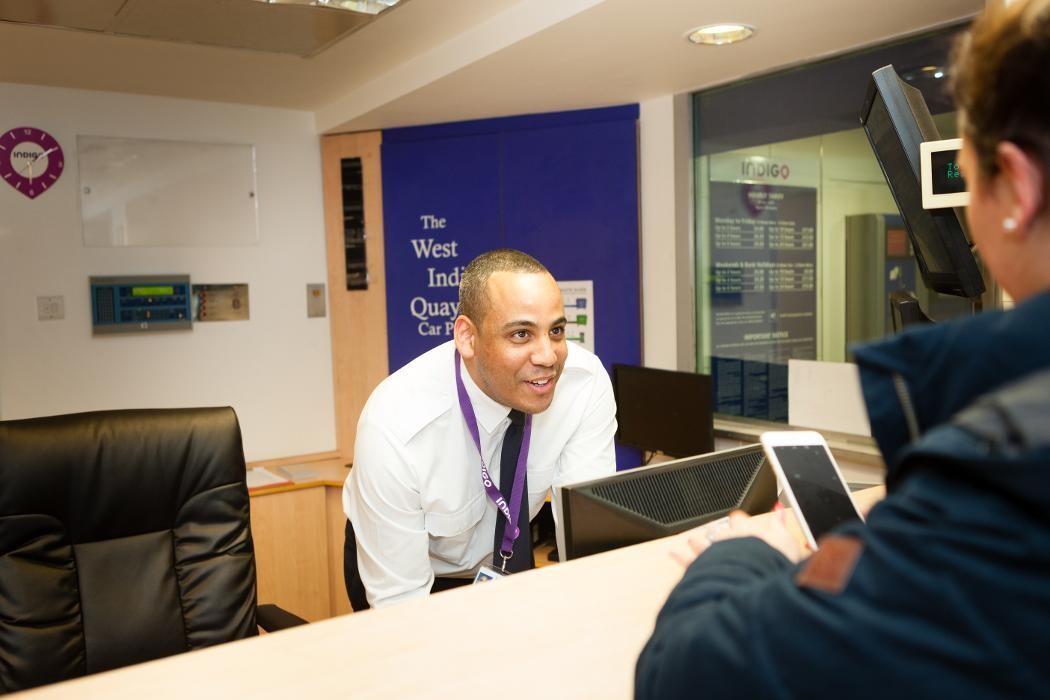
298	534
578	627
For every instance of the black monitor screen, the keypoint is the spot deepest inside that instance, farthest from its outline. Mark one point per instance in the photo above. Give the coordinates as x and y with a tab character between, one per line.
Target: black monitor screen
638	505
663	410
896	120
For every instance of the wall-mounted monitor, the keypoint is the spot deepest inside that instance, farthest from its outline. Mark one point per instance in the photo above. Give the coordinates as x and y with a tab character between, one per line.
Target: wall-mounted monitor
663	410
896	121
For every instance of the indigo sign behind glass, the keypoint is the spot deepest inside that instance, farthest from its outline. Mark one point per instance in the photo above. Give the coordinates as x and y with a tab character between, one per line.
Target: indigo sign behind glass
763	291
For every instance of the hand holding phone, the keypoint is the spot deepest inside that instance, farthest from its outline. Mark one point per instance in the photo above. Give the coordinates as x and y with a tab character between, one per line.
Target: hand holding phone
812	481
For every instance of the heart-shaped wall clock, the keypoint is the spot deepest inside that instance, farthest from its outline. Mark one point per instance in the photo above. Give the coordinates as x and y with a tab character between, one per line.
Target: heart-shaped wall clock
30	160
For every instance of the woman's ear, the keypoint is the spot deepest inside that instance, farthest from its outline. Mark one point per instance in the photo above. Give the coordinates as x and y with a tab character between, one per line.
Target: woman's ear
465	334
1019	185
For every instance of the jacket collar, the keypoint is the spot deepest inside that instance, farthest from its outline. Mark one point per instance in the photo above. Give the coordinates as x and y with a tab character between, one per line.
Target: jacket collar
943	368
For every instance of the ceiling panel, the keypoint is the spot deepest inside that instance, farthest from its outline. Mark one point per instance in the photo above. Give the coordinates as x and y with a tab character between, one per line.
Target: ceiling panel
91	15
427	61
241	24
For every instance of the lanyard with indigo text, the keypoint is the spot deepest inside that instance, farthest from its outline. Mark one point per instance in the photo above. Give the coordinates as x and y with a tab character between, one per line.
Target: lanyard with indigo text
510	511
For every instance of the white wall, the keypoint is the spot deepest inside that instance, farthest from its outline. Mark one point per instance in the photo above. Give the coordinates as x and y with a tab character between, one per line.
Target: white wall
851	183
274	369
665	162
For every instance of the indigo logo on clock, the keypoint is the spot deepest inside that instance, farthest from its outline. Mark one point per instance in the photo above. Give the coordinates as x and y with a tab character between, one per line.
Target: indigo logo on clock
31	160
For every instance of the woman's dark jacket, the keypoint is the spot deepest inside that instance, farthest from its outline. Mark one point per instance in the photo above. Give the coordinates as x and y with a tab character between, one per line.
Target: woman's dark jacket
945	592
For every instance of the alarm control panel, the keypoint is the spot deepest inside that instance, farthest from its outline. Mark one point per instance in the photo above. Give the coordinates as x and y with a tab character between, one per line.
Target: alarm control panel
140	304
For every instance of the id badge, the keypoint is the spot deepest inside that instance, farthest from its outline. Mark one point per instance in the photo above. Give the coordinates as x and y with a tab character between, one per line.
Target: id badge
487	573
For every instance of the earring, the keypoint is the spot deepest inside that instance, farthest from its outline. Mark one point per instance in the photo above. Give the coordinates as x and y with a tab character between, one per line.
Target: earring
1009	224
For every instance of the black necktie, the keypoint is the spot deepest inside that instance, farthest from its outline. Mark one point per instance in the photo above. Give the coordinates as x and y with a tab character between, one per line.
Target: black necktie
508	463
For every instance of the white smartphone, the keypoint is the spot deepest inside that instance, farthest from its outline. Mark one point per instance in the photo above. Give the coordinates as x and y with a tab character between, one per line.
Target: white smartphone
811	479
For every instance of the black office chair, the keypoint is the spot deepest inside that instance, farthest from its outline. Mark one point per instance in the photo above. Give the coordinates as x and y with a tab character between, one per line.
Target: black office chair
124	537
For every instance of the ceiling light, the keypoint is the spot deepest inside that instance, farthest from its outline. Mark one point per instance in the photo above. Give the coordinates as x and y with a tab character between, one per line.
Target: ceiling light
719	34
925	73
371	7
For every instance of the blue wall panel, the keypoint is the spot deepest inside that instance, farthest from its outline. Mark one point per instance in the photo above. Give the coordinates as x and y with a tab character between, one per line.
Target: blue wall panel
570	199
453	179
562	187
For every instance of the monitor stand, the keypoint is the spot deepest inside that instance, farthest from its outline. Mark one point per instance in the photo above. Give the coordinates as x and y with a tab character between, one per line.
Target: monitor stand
905	310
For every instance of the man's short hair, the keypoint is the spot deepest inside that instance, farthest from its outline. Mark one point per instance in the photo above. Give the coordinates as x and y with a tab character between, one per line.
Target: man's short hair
473	295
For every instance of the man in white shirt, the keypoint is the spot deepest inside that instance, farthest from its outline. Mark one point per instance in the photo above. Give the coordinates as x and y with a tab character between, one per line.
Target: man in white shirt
418	502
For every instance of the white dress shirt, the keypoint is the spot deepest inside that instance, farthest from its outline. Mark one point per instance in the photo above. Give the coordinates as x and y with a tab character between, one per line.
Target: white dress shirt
414	495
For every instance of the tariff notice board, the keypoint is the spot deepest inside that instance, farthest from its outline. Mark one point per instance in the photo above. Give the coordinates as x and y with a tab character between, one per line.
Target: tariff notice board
763	293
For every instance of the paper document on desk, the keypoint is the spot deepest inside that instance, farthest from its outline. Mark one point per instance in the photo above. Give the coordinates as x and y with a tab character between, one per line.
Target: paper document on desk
299	472
260	477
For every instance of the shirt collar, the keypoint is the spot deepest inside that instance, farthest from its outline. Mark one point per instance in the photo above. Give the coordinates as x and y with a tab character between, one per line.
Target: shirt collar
489	412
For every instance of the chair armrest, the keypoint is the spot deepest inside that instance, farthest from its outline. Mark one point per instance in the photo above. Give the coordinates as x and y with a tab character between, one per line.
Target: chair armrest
273	619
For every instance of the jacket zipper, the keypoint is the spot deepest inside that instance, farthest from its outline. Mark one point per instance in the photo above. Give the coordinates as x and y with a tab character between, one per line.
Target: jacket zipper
907	405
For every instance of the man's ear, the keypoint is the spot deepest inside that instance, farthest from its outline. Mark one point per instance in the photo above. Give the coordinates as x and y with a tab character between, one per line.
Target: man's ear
465	334
1020	184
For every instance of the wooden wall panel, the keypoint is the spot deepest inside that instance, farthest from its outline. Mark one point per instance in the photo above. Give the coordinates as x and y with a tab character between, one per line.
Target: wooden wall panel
357	318
291	551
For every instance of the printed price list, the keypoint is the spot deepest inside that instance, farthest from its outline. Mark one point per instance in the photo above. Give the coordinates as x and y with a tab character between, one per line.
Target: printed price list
738	281
783	237
775	277
755	234
730	237
792	280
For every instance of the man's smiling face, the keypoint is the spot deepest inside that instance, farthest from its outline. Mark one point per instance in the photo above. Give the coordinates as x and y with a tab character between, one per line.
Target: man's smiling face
517	352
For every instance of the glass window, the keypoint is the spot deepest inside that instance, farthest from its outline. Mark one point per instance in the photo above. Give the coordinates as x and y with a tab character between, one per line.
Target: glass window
798	240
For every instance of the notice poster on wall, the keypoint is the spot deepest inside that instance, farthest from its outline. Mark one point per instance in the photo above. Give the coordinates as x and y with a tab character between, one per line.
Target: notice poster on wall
578	298
763	293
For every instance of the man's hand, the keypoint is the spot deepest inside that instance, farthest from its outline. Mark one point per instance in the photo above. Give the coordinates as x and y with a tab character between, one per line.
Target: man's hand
770	530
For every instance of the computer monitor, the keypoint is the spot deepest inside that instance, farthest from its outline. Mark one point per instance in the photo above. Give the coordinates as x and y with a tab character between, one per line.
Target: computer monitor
646	503
663	411
896	120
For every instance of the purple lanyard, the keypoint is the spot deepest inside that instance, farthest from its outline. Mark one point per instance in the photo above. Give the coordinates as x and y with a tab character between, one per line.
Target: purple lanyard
509	533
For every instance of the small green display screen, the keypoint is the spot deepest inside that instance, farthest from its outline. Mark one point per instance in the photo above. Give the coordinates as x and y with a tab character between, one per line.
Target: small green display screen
152	291
947	179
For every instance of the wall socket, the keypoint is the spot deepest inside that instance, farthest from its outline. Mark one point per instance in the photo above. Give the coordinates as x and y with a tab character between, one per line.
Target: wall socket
50	308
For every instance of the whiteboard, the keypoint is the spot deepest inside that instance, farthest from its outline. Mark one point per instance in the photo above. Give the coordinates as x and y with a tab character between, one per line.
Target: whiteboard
144	192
